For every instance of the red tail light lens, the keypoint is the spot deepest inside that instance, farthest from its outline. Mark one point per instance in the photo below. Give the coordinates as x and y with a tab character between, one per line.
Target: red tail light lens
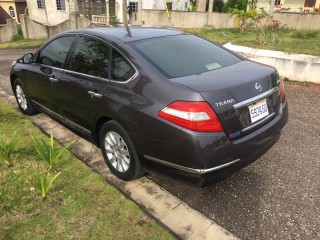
196	116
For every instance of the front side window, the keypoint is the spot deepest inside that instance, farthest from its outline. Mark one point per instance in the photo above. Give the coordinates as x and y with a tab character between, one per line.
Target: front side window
61	5
55	53
91	57
184	55
41	4
121	69
11	11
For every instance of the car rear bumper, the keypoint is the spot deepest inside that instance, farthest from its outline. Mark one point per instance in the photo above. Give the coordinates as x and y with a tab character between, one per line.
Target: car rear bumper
207	157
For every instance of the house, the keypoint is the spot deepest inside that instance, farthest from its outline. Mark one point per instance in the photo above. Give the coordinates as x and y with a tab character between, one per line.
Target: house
54	12
304	6
50	12
11	9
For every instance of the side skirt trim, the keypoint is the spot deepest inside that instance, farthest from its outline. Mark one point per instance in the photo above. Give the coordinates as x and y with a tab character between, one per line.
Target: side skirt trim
69	122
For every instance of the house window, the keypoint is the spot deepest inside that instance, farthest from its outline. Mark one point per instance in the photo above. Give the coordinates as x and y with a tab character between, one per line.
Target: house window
309	3
41	4
169	5
61	4
277	2
11	12
133	6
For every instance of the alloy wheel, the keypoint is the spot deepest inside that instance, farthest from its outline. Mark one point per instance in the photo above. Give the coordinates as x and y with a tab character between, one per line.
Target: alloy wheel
117	151
21	97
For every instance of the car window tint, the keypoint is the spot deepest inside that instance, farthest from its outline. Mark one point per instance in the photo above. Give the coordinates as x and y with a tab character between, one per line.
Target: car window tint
121	69
91	57
183	55
55	53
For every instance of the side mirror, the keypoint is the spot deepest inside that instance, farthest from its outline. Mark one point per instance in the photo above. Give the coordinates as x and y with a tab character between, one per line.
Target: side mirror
27	58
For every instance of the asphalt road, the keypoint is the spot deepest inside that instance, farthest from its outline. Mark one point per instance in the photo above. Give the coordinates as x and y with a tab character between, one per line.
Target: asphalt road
278	196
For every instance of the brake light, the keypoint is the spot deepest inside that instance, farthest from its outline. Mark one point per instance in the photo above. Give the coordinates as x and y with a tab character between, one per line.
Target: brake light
196	116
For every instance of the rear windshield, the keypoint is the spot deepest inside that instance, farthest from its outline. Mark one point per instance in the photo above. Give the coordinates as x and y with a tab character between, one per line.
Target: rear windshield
184	55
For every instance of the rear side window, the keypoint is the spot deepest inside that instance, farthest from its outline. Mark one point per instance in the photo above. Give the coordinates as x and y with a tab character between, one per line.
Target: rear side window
184	55
121	69
55	53
90	57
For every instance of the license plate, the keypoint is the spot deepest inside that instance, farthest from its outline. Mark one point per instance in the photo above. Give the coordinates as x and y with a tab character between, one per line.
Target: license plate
258	110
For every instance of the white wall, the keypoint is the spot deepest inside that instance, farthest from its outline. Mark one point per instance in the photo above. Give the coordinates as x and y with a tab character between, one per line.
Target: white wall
49	16
153	4
297	67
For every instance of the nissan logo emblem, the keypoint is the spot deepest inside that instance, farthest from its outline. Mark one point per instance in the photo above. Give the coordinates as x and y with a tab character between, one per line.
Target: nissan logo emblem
258	87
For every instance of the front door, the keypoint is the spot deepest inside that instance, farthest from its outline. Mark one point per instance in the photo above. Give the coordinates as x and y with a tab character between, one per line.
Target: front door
44	74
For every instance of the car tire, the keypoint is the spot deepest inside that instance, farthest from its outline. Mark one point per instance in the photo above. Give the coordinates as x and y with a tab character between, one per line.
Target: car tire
22	98
119	152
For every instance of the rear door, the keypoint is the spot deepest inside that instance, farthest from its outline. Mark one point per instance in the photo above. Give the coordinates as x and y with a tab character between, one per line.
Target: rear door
43	76
84	84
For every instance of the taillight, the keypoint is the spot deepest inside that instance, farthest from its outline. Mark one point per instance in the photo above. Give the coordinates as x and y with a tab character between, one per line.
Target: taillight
196	116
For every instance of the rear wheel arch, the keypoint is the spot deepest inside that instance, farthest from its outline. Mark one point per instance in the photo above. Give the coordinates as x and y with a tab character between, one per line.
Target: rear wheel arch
99	123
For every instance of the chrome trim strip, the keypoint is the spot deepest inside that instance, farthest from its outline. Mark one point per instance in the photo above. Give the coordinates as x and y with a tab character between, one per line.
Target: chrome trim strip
283	128
191	170
86	75
258	123
256	98
63	118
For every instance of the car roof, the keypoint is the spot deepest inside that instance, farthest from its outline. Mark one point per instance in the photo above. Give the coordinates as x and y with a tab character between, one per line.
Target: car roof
121	33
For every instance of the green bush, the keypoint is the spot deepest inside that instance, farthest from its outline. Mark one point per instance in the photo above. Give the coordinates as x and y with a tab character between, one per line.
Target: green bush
238	4
19	30
16	38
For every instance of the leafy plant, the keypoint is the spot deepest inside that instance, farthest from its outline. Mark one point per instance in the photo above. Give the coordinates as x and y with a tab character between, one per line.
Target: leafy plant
192	6
44	181
16	38
4	195
48	152
114	20
235	4
266	29
6	149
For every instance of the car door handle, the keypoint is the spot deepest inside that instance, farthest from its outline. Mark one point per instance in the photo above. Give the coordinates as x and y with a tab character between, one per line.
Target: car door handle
54	80
94	94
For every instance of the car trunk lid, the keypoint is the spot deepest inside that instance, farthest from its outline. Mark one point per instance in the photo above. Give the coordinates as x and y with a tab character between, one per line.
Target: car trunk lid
236	90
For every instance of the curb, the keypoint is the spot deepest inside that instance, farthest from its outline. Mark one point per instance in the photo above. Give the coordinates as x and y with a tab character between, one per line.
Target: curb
183	221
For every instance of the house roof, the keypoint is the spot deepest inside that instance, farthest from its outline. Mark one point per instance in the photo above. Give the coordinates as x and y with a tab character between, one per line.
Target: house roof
3	16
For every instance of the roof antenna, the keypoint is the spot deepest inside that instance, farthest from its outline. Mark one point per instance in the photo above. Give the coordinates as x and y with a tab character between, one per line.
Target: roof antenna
125	16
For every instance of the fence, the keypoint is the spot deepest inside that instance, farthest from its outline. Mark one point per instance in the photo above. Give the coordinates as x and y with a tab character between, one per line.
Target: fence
8	30
182	19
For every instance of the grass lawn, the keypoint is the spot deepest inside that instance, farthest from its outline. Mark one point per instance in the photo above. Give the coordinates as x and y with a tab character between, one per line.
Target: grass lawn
23	43
294	41
80	205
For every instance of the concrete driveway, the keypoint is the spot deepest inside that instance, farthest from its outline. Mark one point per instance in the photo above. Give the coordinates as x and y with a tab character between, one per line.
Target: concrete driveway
278	196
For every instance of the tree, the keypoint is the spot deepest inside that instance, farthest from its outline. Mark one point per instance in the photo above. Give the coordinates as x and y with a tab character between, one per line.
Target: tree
238	4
